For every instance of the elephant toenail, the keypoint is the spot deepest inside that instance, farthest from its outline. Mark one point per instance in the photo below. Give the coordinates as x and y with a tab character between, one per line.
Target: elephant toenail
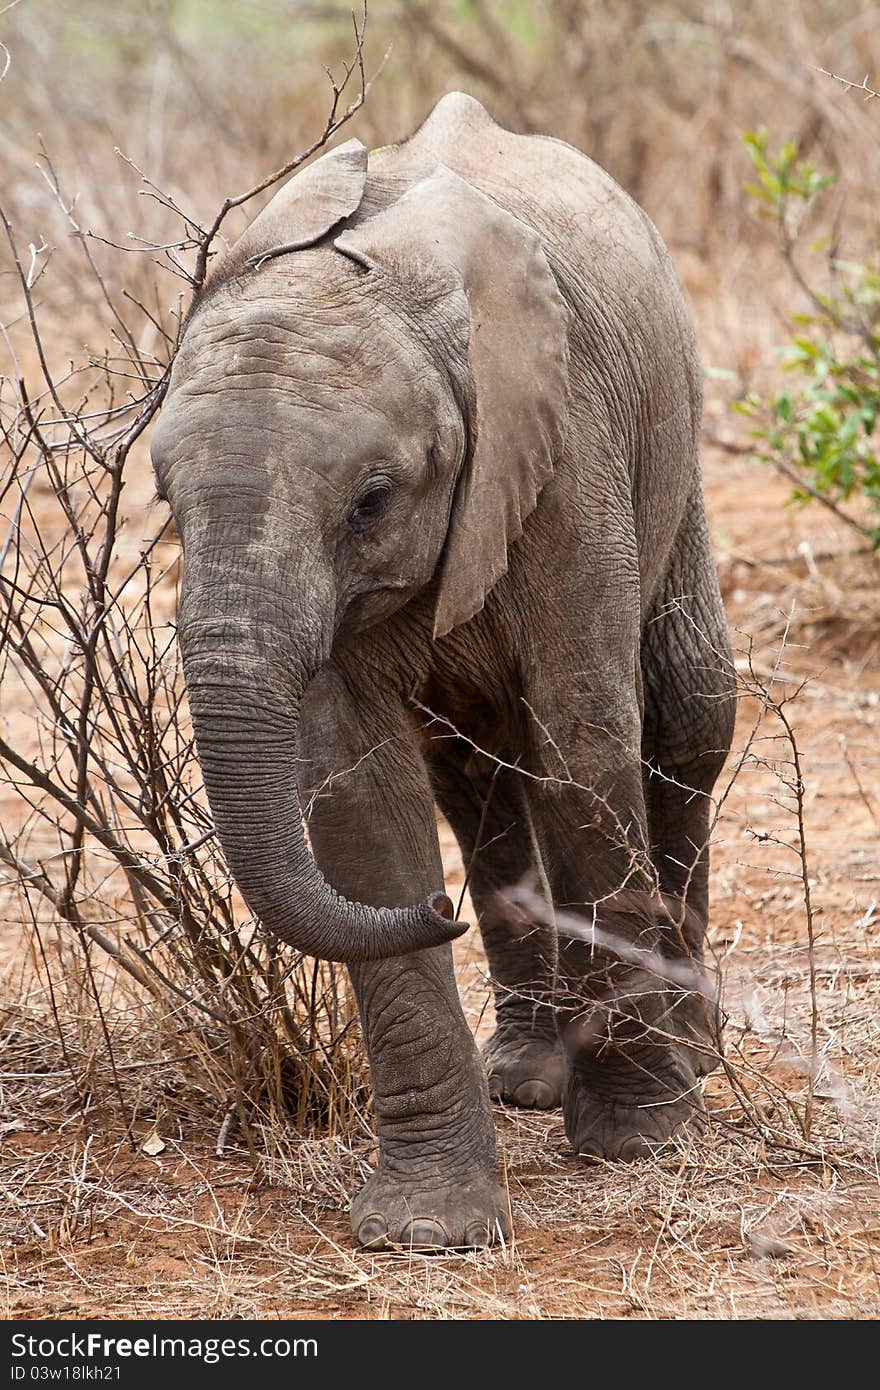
634	1148
590	1152
425	1235
372	1232
534	1095
476	1237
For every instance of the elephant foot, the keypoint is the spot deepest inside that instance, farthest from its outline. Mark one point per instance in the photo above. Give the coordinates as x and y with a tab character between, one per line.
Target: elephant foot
389	1214
698	1025
525	1070
630	1105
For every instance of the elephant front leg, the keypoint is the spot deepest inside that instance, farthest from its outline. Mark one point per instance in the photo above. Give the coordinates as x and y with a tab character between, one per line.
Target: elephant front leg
374	834
435	1184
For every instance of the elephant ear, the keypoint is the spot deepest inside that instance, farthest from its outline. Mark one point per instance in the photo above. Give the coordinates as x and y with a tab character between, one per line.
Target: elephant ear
308	206
518	360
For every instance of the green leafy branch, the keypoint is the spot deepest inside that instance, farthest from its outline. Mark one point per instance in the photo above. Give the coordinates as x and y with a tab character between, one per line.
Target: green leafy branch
821	432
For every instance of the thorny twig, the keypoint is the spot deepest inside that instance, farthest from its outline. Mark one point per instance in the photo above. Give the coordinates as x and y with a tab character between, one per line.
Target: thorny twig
868	92
334	123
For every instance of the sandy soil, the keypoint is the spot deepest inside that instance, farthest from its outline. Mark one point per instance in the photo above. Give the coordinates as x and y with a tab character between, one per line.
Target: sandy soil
735	1223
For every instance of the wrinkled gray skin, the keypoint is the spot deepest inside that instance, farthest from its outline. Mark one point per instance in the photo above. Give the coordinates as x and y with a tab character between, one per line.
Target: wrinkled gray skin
439	453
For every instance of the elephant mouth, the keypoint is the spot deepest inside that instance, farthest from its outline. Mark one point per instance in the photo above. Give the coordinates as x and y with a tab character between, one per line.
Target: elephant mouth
368	610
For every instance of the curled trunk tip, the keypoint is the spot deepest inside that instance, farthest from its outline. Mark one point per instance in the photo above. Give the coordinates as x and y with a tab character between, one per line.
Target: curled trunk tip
247	735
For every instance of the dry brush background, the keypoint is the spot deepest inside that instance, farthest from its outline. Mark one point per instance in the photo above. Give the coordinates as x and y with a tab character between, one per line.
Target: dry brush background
183	1114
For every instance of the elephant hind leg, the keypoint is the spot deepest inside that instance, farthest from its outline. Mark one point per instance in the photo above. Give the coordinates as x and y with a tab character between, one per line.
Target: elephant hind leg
485	807
688	680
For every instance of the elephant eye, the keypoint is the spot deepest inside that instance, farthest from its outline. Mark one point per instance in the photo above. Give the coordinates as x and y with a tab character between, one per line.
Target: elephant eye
369	507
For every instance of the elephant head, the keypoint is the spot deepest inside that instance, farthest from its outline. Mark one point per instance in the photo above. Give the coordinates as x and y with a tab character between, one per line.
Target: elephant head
368	396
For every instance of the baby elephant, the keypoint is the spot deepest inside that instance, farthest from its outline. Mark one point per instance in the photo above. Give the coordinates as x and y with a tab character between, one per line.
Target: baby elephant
431	445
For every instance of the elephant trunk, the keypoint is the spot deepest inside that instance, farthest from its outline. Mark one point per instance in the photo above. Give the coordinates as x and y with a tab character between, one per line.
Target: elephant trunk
244	692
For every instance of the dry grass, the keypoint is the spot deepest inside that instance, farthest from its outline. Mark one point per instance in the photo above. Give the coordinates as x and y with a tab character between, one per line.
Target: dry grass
772	1212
